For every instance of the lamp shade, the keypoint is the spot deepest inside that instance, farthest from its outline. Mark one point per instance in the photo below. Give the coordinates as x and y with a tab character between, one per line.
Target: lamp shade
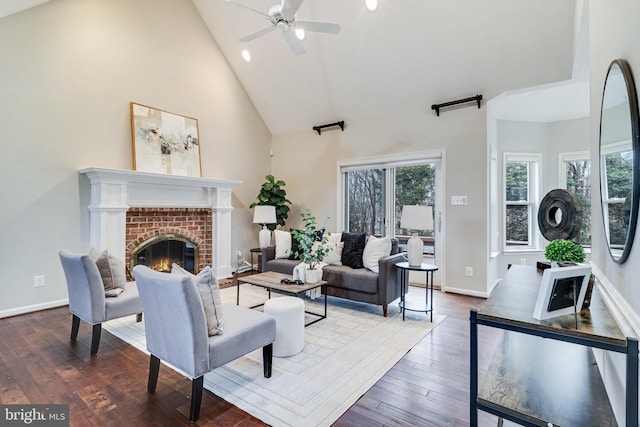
416	217
264	214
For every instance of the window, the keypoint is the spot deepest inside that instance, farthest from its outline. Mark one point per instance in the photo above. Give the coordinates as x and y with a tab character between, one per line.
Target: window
374	191
414	185
575	176
365	196
616	166
520	194
365	201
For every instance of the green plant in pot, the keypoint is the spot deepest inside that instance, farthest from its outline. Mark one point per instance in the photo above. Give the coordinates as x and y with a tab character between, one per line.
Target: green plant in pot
312	246
272	194
564	251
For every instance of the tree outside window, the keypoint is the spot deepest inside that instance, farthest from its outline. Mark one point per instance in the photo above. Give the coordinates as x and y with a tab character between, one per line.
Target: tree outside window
518	208
617	197
578	181
365	211
415	185
365	205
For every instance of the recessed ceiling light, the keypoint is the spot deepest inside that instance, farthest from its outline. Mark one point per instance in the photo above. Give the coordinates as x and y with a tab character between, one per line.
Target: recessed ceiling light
300	33
246	55
371	4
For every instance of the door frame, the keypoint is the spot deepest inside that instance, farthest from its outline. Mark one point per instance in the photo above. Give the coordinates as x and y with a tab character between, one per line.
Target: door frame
436	156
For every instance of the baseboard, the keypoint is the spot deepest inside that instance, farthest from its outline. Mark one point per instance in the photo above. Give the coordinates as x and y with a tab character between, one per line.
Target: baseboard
467	292
31	308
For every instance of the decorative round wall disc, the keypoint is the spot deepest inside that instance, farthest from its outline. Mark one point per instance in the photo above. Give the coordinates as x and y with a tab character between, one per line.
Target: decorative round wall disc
560	215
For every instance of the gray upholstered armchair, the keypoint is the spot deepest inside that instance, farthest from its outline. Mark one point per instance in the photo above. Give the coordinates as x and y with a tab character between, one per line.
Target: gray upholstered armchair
87	300
176	331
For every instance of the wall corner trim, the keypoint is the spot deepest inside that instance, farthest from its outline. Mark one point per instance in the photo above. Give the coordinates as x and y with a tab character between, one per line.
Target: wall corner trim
626	317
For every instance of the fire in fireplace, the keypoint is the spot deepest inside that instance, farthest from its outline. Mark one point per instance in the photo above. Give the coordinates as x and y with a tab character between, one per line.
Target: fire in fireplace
160	252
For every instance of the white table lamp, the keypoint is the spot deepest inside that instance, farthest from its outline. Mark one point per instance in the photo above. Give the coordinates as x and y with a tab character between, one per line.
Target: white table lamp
264	214
416	217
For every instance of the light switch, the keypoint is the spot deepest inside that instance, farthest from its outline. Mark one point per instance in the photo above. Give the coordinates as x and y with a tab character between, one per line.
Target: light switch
458	200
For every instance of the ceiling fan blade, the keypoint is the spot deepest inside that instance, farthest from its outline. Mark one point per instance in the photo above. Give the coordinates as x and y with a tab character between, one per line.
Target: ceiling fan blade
290	7
244	6
319	27
257	34
293	42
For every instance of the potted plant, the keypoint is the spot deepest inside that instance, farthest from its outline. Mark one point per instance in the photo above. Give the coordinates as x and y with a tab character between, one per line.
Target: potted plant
312	247
272	194
561	253
564	251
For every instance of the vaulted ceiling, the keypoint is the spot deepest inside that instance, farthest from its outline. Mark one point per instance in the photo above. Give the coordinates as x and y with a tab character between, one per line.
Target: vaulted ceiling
9	7
406	55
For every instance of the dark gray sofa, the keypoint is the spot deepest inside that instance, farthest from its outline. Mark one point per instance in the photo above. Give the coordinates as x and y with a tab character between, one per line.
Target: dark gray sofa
357	284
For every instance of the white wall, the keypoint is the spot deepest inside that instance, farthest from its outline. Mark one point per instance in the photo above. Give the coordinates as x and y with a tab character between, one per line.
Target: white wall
68	70
307	162
549	139
614	33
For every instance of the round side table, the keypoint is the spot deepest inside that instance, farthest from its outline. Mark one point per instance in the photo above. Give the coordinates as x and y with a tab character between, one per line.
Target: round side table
405	268
256	251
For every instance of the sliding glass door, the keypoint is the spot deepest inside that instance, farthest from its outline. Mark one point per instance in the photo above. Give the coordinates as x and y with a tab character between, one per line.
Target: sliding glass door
414	185
374	194
365	201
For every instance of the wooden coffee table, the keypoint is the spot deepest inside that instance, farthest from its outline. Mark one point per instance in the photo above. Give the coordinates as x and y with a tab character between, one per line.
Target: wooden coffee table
271	281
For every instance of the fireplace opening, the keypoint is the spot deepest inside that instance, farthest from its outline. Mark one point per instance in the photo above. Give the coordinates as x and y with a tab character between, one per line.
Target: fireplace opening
160	252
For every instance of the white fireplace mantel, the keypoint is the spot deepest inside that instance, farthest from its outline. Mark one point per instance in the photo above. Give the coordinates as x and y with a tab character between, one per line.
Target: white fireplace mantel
114	191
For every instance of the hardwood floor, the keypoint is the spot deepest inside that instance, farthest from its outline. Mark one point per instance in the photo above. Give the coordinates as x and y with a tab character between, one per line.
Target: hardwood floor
39	365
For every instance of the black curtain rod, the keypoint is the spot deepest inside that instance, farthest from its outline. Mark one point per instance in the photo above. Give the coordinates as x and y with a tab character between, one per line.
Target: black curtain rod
320	127
437	107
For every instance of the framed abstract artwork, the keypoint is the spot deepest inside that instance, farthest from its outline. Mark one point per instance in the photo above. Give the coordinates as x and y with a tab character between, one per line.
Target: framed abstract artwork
562	291
164	142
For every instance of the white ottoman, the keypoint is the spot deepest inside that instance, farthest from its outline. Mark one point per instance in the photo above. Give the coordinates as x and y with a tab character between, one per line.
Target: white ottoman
289	315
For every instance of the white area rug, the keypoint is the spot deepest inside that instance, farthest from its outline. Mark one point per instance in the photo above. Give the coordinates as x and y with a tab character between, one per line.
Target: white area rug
344	355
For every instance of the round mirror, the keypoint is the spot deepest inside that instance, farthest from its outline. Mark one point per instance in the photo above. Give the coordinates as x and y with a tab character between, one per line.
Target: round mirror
619	159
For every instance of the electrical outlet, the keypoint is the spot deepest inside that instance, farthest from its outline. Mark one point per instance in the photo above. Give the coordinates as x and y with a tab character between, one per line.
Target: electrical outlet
468	271
523	261
239	255
38	281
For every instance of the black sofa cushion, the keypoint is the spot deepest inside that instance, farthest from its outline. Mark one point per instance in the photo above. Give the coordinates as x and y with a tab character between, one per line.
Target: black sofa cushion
354	244
295	245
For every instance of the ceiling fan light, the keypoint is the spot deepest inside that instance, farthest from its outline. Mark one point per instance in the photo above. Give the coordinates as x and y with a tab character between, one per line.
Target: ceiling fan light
300	33
246	55
371	4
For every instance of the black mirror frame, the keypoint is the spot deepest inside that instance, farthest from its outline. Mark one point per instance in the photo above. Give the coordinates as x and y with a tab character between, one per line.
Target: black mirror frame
635	145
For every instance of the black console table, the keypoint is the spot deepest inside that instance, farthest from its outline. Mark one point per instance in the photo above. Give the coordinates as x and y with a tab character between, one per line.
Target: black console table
543	372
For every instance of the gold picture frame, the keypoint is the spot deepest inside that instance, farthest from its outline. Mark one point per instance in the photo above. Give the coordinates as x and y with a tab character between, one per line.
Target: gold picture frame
164	142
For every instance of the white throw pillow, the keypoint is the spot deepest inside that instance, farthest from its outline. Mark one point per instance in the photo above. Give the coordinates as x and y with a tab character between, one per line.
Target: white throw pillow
335	246
334	257
209	291
334	238
375	249
283	243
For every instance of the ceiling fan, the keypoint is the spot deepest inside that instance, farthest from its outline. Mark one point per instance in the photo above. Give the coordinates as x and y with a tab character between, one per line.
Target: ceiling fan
283	17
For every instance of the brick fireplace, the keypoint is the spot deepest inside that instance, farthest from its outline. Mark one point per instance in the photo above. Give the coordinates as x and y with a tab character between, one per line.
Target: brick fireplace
191	225
128	207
